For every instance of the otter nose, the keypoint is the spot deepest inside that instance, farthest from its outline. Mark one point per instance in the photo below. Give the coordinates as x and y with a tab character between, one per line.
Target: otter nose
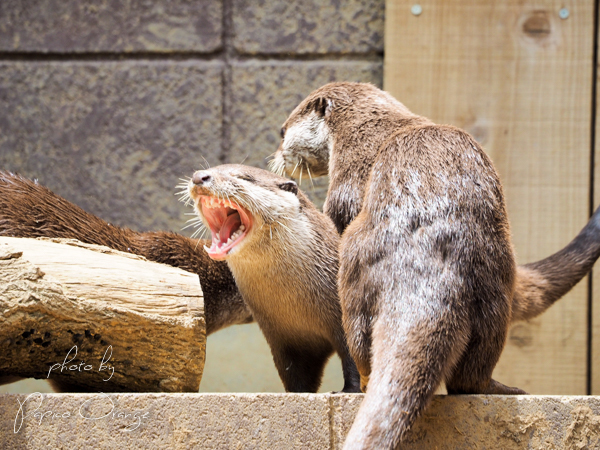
201	177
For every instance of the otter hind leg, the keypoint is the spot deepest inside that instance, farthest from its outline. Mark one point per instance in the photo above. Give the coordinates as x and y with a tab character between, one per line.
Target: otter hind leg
498	388
473	372
300	366
357	325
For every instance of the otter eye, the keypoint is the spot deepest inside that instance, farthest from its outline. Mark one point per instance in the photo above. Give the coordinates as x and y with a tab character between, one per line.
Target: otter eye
247	177
282	132
289	186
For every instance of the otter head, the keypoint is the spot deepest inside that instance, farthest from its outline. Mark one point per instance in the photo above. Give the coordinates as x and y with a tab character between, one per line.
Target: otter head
306	140
335	112
239	204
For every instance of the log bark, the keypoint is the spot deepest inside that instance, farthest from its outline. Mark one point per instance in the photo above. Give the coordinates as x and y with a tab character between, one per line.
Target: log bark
100	319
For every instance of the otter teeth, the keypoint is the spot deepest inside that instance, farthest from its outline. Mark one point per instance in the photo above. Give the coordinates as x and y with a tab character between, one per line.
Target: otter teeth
213	202
218	244
236	234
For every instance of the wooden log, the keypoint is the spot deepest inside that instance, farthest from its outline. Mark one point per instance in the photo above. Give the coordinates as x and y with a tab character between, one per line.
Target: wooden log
98	319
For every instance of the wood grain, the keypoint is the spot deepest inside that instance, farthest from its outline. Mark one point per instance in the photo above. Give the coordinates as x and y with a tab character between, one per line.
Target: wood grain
57	295
595	312
518	78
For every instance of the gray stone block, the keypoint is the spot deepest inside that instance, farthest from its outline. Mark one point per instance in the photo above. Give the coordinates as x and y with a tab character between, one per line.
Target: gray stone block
308	26
112	137
263	94
65	26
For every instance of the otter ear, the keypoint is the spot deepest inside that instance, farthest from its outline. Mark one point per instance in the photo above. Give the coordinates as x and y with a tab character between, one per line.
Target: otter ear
289	186
323	106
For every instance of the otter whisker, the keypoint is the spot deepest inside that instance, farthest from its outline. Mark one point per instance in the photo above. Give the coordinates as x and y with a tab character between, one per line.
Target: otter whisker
228	199
191	223
200	228
276	165
295	167
272	163
184	197
311	178
207	163
289	236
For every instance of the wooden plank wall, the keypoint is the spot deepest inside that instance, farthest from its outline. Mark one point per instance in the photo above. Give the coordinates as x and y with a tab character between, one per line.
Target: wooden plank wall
519	78
595	354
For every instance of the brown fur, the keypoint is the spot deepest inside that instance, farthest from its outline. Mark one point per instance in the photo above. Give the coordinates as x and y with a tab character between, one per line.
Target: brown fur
541	283
286	269
28	209
427	272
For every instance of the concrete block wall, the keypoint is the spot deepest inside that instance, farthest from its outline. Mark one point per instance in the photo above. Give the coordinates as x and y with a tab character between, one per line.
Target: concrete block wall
110	103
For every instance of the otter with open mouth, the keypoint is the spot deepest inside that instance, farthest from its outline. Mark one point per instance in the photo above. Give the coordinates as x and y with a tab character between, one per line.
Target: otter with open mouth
283	255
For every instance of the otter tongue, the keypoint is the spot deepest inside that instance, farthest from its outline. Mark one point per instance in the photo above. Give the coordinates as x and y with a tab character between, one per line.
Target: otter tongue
231	224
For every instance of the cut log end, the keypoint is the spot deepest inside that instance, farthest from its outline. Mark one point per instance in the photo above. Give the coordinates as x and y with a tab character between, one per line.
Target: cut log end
92	319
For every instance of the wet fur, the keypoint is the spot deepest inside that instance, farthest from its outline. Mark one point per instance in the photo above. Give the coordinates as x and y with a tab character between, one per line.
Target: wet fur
286	270
427	280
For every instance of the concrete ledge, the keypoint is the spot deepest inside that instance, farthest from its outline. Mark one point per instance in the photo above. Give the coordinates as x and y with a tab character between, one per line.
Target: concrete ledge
286	421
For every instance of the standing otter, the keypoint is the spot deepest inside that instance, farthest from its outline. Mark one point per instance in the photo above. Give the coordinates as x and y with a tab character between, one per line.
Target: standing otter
283	254
28	209
428	281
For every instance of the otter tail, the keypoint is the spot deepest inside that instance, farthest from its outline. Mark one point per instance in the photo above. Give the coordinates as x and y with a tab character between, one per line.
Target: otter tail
28	209
540	284
416	345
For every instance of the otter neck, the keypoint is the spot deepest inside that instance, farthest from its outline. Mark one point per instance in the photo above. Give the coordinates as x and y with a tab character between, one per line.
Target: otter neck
278	279
273	251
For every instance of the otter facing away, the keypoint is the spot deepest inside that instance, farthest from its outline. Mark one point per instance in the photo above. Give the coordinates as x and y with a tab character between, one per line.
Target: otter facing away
283	254
428	281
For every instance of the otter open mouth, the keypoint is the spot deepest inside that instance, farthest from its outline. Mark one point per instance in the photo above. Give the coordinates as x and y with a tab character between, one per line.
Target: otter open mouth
229	224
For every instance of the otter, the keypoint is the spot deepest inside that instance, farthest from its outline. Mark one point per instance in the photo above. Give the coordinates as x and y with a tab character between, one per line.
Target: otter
427	281
28	209
283	254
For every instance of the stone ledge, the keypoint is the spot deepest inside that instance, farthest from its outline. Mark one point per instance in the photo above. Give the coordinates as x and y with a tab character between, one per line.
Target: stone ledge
288	421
